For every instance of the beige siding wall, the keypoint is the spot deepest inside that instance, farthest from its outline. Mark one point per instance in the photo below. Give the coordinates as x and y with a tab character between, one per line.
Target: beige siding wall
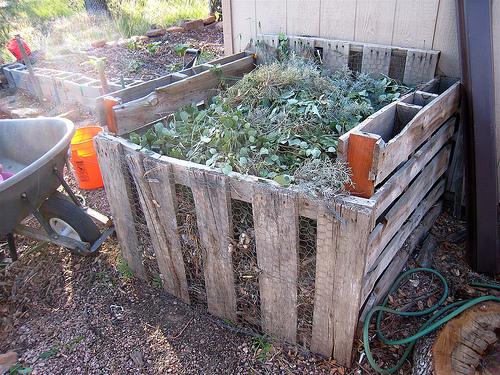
406	23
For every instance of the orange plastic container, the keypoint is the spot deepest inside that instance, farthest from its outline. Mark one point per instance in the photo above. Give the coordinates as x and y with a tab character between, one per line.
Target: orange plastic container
84	158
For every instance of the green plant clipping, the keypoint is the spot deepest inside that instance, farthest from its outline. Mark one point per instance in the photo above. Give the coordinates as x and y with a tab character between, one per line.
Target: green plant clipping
153	47
180	49
281	122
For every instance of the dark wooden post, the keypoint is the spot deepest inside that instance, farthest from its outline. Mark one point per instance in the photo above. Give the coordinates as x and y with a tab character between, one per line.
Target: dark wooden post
476	60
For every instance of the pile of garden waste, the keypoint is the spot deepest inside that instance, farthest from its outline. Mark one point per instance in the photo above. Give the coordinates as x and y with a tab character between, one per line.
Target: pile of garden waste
282	122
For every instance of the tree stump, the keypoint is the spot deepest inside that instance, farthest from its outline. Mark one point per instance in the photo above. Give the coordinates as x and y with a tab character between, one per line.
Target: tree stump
469	343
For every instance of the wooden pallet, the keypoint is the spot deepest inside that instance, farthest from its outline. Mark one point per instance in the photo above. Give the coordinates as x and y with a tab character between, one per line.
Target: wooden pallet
408	65
126	110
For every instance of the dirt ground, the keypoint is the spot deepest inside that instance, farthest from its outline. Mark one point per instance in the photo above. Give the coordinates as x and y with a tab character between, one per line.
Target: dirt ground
142	60
64	314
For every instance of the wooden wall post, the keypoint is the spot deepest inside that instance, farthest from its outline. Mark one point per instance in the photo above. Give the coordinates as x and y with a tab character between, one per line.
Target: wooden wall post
228	27
213	213
117	185
342	242
276	222
165	243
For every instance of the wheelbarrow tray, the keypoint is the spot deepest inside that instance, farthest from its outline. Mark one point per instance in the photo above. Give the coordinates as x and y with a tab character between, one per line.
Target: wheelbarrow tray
32	149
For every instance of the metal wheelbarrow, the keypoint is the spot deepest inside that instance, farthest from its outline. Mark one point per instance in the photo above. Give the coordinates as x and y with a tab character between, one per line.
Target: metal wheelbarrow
33	153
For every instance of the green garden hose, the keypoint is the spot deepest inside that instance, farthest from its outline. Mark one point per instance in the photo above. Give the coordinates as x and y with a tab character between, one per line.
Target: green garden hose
436	321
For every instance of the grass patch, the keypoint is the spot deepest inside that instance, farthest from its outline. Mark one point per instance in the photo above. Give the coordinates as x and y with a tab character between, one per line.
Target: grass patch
261	348
157	282
136	17
124	270
55	25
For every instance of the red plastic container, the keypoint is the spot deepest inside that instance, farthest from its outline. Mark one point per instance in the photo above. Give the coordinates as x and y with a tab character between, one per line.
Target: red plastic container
14	48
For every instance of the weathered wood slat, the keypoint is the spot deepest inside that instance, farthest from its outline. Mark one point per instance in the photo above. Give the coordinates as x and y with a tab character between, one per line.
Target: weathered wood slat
341	244
276	219
350	252
407	202
420	66
335	54
228	27
418	130
397	183
161	182
324	305
167	99
169	258
213	213
405	112
398	240
376	60
117	186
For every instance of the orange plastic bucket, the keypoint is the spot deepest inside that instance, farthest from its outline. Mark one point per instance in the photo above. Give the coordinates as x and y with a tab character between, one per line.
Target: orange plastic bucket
84	158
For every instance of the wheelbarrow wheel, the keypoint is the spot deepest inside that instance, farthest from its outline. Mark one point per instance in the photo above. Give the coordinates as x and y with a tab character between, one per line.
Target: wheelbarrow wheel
69	220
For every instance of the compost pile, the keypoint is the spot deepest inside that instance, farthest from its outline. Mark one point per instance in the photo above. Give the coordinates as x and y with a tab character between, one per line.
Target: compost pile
281	121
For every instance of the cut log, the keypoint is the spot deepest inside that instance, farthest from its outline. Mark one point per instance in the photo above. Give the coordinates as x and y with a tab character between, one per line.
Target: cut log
464	344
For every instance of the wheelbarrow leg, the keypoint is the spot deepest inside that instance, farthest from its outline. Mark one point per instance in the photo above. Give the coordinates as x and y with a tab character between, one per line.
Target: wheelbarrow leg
12	246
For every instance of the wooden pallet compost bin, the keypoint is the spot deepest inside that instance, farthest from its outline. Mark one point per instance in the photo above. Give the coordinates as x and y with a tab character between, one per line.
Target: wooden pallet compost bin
399	157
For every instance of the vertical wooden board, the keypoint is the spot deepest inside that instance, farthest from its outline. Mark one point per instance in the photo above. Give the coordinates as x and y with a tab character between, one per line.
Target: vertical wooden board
324	304
374	21
496	67
270	16
446	39
414	23
337	19
360	154
227	20
243	23
420	66
161	182
109	115
117	186
276	218
169	257
376	60
350	253
213	213
302	17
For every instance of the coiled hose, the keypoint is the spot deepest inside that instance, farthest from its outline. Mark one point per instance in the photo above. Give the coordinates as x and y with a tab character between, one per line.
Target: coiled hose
442	316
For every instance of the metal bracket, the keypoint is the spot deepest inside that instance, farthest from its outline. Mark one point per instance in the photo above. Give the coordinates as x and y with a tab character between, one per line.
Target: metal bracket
39	217
67	188
79	247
